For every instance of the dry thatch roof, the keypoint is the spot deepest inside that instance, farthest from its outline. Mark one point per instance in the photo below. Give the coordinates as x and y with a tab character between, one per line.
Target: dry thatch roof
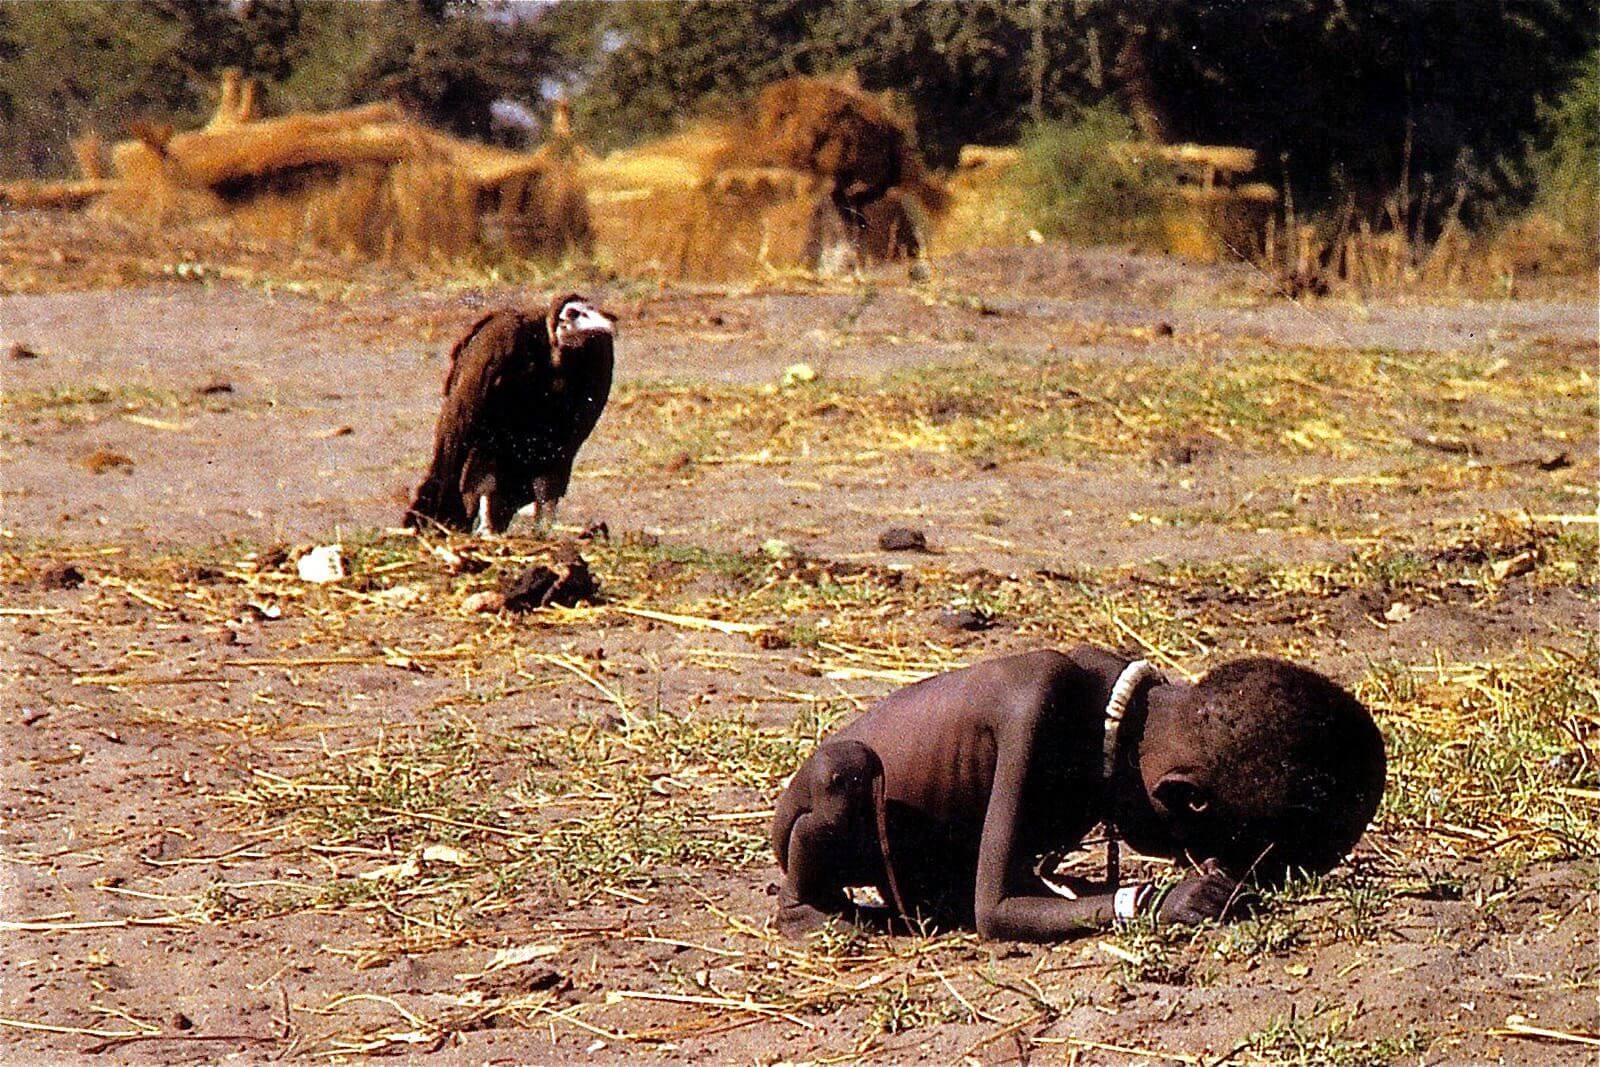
366	180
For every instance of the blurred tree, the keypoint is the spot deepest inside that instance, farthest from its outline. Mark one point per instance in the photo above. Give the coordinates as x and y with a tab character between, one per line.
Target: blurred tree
437	62
1566	150
962	68
1356	98
95	63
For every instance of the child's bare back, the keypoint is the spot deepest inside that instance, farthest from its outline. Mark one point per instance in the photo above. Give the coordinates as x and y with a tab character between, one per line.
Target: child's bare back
942	795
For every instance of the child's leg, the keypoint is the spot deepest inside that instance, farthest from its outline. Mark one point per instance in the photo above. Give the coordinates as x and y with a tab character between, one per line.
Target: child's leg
831	840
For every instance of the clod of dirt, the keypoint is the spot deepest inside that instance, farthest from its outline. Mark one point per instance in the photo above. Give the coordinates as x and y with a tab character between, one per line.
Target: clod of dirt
269	559
1181	451
1164	329
679	461
595	530
968	619
214	388
484	602
197	573
1299	283
565	582
772	639
60	576
33	715
1555	462
18	350
102	460
180	1021
903	539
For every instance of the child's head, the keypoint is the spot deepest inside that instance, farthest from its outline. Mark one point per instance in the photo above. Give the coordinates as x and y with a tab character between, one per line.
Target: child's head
1265	766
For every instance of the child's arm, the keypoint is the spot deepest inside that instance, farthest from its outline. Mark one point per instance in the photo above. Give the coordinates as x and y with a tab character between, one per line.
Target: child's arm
1004	913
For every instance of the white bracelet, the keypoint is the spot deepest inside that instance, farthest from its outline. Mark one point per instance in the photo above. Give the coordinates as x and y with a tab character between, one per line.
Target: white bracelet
1125	905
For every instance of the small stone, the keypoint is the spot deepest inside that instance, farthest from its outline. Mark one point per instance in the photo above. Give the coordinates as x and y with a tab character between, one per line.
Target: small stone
1399	612
214	388
18	350
485	602
1164	329
968	619
180	1021
797	374
595	531
321	565
903	539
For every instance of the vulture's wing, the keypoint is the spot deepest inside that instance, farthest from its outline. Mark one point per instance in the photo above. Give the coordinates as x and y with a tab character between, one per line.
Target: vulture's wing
461	345
479	363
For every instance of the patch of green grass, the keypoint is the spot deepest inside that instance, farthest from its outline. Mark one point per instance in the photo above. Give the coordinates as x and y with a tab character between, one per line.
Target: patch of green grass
1321	1037
1493	753
1345	403
1075	186
899	1010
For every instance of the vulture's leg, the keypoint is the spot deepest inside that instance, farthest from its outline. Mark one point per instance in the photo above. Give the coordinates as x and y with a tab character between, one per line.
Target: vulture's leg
482	524
544	515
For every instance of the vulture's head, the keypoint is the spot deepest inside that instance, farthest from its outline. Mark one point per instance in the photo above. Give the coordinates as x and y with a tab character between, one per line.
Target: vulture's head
574	322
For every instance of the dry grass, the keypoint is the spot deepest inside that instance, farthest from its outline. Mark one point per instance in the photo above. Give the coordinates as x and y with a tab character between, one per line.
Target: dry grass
1340	403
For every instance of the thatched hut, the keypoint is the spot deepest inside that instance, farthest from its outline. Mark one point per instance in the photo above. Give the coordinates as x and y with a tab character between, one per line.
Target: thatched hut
366	180
764	191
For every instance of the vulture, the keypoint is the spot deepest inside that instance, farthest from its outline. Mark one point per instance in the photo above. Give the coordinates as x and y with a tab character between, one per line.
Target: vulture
521	396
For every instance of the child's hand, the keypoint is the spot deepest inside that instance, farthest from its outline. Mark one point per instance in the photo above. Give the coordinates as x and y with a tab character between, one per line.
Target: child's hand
1202	896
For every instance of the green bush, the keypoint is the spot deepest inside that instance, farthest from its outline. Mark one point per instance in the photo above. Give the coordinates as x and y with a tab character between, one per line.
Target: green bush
1074	186
1567	164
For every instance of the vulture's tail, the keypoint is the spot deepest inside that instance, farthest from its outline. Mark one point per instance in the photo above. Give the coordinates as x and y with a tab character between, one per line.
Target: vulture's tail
437	503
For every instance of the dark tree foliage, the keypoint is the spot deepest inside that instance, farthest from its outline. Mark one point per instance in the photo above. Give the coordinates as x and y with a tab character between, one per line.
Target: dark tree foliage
1357	96
966	70
10	49
1348	98
448	61
437	63
655	63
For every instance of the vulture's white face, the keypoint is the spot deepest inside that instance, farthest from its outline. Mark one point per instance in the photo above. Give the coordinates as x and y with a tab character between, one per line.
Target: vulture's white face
577	322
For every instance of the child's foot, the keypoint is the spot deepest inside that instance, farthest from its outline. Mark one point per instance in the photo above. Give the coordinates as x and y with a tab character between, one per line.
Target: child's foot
797	920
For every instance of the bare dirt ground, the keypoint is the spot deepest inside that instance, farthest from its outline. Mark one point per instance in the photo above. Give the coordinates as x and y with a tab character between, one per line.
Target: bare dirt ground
250	818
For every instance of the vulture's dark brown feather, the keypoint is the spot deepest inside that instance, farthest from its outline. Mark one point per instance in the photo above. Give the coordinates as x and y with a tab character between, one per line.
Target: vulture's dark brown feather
521	396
